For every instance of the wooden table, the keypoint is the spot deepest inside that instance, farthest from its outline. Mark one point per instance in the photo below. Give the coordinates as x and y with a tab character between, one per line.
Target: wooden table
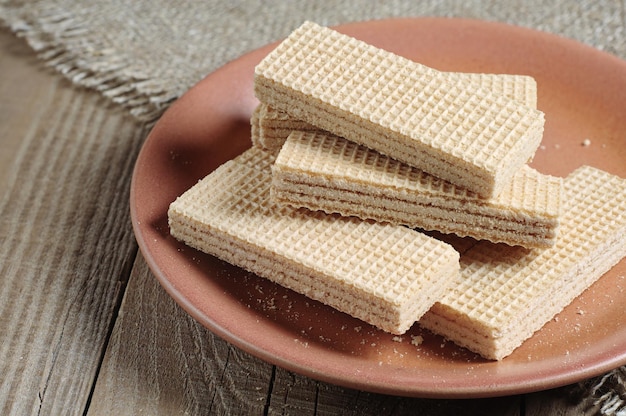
85	327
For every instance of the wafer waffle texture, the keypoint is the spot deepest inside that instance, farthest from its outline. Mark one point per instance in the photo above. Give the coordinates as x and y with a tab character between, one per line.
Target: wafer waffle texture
320	171
270	127
385	275
443	125
505	294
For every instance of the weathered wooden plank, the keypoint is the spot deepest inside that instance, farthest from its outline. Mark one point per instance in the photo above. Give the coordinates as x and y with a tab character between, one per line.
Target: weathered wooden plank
161	362
295	394
65	238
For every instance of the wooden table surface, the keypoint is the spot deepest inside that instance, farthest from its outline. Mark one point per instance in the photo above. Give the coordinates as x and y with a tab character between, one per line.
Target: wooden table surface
85	327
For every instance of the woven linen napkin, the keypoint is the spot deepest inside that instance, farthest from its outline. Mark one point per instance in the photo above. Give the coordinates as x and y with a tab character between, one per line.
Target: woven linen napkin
144	54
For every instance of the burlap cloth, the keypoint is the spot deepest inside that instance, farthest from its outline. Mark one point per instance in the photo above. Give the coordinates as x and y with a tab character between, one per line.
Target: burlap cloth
143	54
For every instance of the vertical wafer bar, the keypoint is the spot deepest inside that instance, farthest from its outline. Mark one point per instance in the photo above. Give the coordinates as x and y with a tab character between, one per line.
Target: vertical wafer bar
505	294
385	275
444	126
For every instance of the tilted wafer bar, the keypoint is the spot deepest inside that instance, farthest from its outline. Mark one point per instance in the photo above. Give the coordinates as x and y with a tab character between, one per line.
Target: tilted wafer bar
320	171
270	127
505	293
446	126
385	275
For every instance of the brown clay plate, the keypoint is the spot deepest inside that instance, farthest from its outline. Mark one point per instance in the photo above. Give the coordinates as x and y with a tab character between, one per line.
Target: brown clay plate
583	94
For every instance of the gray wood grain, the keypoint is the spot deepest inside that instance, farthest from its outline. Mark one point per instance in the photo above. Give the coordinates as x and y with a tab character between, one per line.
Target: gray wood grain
65	240
161	361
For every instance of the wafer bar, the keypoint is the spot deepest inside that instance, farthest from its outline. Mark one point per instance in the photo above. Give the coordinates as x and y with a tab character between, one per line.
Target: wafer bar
443	125
385	275
320	171
505	293
270	127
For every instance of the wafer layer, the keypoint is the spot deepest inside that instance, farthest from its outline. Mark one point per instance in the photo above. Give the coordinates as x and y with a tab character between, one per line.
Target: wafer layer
505	293
444	125
385	275
270	127
320	171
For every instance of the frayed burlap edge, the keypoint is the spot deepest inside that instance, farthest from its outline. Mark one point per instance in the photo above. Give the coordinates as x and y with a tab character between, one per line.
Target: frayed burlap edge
602	395
54	37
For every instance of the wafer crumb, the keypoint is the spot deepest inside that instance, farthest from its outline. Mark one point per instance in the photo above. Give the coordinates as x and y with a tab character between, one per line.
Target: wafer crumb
303	343
417	340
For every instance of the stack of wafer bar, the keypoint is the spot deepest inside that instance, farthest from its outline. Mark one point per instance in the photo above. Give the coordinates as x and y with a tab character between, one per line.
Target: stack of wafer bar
524	212
319	209
446	125
390	275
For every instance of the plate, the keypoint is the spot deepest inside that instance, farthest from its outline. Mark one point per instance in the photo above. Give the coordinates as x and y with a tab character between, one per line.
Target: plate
583	94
